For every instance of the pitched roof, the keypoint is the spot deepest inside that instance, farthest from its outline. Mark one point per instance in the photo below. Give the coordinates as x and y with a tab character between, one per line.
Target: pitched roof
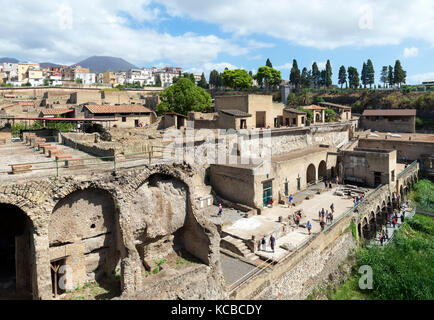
292	110
56	111
26	103
314	107
236	113
389	112
105	108
339	106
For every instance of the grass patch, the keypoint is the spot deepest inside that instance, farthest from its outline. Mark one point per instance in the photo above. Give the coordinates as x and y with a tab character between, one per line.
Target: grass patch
402	270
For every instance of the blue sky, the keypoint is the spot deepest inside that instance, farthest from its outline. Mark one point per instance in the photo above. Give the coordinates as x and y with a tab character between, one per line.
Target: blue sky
202	35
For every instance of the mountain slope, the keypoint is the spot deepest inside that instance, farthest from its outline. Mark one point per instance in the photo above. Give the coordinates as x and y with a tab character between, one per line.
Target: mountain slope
13	60
48	64
103	63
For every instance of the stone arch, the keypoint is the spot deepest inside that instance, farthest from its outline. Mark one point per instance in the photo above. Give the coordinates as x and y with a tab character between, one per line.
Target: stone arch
310	174
365	228
322	170
16	257
164	223
83	234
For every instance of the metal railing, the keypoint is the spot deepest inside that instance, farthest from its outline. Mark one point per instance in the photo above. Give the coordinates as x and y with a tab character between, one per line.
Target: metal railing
267	263
406	169
154	152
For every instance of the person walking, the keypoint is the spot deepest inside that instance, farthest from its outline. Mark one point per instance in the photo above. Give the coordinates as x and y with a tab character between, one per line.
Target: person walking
322	223
381	239
327	216
319	215
272	242
220	210
297	220
331	218
386	233
332	208
325	183
308	226
290	199
330	185
402	217
394	222
264	244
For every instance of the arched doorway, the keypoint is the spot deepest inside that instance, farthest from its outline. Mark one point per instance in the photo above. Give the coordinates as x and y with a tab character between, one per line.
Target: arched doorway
15	253
82	236
365	228
322	170
311	174
164	223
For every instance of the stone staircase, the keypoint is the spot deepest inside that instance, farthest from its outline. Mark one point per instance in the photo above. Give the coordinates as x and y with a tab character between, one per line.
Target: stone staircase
238	247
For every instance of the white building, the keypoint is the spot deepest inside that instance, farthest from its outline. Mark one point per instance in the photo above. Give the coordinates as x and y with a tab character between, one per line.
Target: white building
86	77
11	70
167	74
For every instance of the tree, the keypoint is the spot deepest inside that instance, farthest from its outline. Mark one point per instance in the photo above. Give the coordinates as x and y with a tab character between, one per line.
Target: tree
316	75
390	76
46	82
268	76
342	76
268	63
292	100
202	83
364	75
399	74
214	79
370	73
294	76
384	76
158	81
182	97
323	77
328	79
330	115
353	78
79	80
305	81
237	78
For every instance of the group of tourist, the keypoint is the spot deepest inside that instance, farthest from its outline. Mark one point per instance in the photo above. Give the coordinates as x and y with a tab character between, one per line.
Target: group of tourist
264	243
326	217
358	200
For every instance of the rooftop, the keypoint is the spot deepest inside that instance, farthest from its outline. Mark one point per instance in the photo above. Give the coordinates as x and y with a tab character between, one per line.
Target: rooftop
421	137
313	107
117	109
50	112
236	113
339	106
389	112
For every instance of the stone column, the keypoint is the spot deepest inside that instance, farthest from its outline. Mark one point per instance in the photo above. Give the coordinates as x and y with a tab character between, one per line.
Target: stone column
323	116
41	267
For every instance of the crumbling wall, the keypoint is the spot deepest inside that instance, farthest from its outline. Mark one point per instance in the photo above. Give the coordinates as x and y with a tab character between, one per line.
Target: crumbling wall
86	219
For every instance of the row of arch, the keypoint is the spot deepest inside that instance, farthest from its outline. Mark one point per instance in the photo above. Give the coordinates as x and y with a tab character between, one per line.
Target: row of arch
376	219
85	219
311	173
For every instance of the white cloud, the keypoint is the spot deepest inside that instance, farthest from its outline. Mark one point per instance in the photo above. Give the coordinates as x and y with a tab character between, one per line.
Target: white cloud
285	66
418	78
66	31
208	67
410	52
317	23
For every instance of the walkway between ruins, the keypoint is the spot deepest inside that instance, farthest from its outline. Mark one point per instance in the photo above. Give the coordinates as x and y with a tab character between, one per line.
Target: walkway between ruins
409	213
